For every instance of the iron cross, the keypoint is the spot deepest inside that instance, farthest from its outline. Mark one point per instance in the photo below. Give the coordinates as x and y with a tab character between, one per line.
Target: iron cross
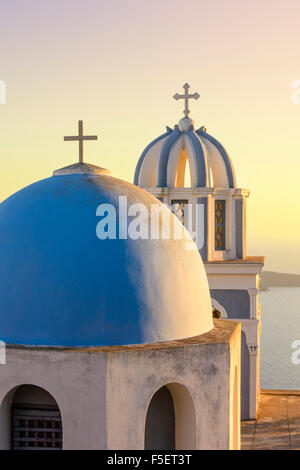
186	98
80	137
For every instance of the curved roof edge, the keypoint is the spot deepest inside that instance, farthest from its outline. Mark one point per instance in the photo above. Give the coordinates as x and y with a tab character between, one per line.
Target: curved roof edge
226	158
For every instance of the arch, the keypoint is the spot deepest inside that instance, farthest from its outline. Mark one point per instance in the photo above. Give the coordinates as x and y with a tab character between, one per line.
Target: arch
183	163
160	422
229	170
146	175
137	173
187	175
171	419
30	419
162	164
219	307
176	164
198	161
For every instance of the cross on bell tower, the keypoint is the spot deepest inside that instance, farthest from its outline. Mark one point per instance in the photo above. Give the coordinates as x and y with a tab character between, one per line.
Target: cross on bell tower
186	98
80	138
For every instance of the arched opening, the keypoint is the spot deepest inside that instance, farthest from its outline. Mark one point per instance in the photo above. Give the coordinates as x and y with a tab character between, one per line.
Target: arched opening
187	174
183	171
219	307
30	419
171	419
160	422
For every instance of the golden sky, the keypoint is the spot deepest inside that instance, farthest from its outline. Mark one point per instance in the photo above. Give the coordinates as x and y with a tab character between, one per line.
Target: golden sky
116	64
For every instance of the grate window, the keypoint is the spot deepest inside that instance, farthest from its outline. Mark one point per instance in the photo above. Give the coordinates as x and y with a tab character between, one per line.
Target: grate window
220	225
34	429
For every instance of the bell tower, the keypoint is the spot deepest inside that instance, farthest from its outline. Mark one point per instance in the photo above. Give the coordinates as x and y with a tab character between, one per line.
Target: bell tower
190	171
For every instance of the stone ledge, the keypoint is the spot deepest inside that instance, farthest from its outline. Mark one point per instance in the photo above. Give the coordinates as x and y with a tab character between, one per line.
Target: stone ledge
222	332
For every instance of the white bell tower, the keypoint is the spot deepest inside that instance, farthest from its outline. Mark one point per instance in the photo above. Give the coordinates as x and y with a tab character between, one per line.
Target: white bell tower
213	209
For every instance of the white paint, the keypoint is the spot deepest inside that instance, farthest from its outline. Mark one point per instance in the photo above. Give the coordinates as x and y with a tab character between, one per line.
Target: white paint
185	417
216	164
186	124
177	165
173	172
103	395
148	171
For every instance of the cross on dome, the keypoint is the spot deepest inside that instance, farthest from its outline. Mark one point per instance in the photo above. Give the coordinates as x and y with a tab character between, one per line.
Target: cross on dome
80	138
186	98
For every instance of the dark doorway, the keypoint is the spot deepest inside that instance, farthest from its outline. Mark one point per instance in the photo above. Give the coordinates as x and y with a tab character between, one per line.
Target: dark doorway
36	420
160	422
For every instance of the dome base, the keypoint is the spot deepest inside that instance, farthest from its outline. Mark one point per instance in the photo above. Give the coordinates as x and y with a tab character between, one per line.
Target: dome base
81	169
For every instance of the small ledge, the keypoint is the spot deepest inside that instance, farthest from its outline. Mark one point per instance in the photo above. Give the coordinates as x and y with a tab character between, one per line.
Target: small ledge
81	169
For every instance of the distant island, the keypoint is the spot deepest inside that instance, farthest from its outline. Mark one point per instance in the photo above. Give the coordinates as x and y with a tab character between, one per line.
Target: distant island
274	279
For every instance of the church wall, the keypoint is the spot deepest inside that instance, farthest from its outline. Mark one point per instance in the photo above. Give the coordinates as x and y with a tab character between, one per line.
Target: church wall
204	369
226	280
245	378
77	382
235	392
240	228
103	394
5	420
241	277
204	249
236	302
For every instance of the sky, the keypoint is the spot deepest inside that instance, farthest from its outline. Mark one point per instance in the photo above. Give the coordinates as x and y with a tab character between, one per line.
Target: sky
116	65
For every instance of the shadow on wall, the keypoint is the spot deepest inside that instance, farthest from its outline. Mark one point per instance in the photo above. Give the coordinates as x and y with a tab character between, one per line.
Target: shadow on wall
171	419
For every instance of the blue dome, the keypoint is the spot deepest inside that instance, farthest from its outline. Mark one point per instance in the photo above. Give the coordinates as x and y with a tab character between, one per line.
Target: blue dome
162	161
61	285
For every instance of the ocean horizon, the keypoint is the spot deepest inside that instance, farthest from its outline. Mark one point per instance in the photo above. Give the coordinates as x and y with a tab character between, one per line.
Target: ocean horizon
280	315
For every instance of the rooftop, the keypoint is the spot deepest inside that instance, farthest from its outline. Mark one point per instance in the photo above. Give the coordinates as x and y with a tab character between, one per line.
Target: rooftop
221	333
278	422
247	260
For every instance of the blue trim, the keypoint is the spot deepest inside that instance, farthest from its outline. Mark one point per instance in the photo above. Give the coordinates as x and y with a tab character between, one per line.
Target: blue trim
224	154
201	163
164	158
142	157
235	301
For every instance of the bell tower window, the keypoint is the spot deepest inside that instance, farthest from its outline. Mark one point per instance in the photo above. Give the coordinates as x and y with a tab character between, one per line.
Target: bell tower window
220	227
177	207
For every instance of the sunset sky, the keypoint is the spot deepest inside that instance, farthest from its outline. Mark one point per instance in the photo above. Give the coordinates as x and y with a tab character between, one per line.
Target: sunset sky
116	64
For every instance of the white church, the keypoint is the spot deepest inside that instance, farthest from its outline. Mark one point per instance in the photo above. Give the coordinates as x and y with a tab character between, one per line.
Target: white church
110	340
233	276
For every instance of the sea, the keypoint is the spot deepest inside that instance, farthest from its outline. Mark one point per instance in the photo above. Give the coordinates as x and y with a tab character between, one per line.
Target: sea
280	315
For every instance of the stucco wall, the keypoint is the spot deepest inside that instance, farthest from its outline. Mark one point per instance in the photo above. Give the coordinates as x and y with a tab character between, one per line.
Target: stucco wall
245	382
76	381
202	369
235	301
103	393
